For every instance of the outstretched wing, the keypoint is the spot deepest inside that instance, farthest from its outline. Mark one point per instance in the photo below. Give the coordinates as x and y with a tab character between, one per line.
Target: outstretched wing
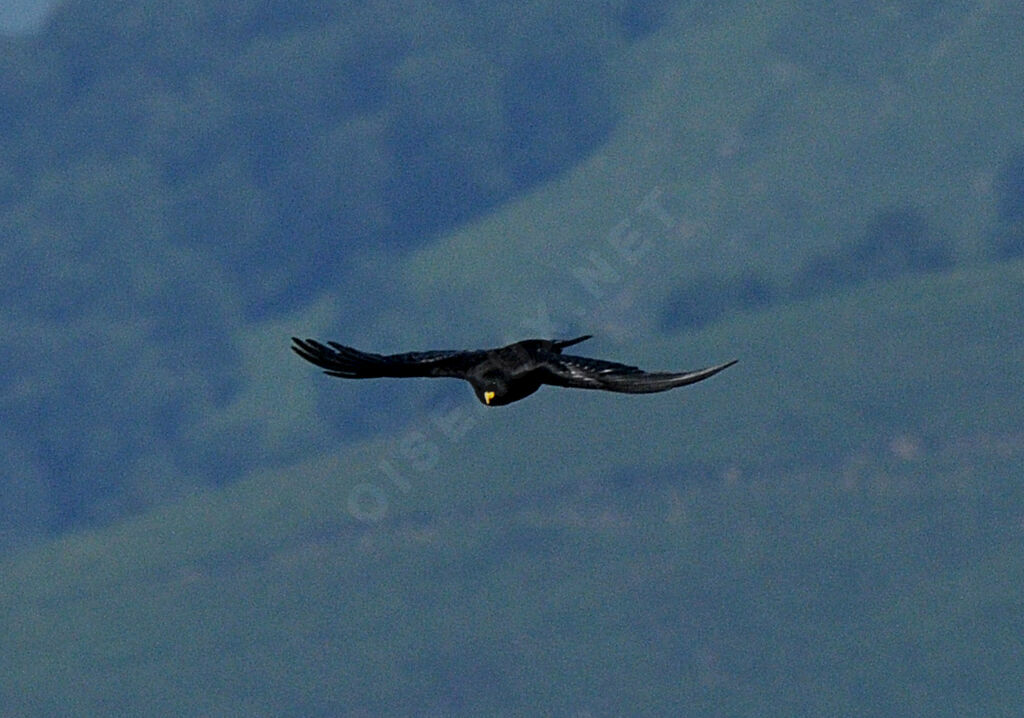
339	360
586	373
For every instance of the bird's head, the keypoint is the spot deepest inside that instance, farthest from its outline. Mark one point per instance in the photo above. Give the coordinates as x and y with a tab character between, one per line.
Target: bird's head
491	393
496	391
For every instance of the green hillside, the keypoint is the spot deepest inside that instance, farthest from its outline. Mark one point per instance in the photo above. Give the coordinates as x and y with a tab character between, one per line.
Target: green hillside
832	527
194	522
183	186
737	151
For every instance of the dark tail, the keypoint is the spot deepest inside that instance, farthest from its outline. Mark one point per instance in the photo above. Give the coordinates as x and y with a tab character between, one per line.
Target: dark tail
561	344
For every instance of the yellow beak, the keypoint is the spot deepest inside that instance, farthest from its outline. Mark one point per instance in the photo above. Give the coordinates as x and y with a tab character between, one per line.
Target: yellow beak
488	395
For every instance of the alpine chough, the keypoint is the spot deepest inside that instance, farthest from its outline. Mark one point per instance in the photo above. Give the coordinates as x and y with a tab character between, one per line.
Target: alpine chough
503	375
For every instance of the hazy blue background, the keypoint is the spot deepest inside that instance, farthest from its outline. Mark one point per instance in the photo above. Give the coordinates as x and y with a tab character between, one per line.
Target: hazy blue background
19	16
192	521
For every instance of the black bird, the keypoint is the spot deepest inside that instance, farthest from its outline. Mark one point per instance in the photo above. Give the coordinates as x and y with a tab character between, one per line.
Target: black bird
503	375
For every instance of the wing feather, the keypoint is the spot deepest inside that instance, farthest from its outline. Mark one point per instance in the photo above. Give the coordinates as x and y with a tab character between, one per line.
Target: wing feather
586	373
347	362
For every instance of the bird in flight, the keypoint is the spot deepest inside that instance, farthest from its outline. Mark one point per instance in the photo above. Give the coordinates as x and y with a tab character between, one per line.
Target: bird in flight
503	375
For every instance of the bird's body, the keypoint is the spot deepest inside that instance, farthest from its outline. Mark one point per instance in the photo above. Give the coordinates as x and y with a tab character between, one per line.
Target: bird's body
502	375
